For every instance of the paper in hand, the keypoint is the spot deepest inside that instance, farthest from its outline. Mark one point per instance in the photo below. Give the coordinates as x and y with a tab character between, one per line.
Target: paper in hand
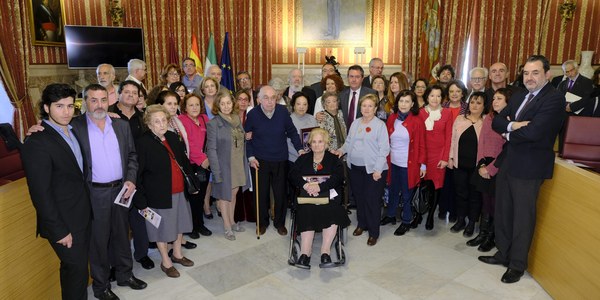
121	200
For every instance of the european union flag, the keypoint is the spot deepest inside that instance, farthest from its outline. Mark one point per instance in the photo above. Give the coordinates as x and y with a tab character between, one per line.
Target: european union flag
227	77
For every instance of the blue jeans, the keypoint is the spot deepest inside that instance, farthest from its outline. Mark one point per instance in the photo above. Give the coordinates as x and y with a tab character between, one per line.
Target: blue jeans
399	183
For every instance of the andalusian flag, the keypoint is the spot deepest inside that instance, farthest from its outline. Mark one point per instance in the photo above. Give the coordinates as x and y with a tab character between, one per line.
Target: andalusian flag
195	55
211	55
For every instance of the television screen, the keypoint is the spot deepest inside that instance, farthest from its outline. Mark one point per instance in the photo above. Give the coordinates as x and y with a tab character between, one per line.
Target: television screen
89	46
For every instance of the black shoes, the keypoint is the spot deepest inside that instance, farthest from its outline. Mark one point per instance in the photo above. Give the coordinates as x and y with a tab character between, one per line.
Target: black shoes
416	221
107	295
478	240
512	276
282	230
402	229
303	262
388	220
492	260
469	229
193	235
488	244
326	261
208	215
189	245
204	231
146	262
133	283
458	226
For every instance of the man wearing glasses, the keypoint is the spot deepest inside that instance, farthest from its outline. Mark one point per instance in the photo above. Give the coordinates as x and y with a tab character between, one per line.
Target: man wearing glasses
244	82
477	78
191	79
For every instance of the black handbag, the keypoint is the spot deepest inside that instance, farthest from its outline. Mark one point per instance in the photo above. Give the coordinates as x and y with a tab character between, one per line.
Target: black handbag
192	183
423	196
201	173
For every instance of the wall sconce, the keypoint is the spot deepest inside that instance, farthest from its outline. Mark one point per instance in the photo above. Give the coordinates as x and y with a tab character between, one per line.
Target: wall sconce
116	12
566	10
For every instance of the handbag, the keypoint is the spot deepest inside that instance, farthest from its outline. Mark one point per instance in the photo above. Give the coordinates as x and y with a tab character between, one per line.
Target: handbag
423	196
201	173
192	184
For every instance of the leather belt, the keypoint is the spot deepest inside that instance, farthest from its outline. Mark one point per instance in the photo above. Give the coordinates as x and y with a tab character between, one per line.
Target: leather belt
111	184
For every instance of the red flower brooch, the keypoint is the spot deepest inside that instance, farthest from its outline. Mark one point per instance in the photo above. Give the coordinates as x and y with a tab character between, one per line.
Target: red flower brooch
317	166
368	129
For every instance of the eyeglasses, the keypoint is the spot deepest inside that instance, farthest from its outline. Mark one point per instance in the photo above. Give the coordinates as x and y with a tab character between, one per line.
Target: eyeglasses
173	74
476	79
243	79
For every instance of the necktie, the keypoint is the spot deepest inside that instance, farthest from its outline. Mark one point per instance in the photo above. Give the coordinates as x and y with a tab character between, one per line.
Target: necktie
570	84
524	105
351	111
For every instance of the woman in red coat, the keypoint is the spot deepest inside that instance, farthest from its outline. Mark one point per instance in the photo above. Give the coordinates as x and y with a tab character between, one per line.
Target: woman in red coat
407	157
438	134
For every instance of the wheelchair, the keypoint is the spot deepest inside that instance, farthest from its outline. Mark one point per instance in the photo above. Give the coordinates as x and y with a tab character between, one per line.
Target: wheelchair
338	256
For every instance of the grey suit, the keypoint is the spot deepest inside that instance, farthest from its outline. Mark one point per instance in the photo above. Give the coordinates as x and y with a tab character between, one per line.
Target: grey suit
111	222
218	149
345	101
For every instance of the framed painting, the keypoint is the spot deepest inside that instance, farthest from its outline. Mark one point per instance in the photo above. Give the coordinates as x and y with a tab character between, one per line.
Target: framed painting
47	22
334	23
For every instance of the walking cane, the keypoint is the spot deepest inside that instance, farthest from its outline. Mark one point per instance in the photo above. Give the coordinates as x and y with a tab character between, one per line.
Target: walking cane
257	211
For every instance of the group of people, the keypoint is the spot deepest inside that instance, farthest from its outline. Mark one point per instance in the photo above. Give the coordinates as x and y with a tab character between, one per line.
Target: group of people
487	150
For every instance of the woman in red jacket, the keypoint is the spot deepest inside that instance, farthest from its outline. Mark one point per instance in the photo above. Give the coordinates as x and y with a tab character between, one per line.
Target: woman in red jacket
407	157
438	134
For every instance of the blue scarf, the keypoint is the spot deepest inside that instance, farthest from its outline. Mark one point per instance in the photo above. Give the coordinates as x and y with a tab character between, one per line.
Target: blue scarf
402	116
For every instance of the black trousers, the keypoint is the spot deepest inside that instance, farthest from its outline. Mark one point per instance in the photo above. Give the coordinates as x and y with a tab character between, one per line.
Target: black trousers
197	205
368	194
447	199
74	265
140	236
468	199
514	217
272	175
110	234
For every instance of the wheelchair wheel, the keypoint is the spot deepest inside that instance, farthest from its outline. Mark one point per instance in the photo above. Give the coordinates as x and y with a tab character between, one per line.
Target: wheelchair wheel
294	253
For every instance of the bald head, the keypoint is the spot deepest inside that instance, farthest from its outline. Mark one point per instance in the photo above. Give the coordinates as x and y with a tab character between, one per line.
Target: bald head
268	98
215	71
498	74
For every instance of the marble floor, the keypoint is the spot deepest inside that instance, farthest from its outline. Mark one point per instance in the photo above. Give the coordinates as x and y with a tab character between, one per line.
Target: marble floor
419	265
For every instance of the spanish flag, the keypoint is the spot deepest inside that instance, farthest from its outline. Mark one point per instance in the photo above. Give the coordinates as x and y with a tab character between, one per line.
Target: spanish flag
195	55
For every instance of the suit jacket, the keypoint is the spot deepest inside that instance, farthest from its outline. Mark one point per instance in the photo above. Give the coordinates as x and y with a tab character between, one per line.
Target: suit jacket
310	93
590	108
345	100
529	150
316	87
56	185
366	81
582	87
126	147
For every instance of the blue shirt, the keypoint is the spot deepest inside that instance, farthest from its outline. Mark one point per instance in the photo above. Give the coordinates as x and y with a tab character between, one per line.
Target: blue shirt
71	141
105	152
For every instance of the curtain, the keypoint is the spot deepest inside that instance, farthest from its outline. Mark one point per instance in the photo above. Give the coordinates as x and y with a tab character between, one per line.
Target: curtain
457	17
13	62
248	34
415	59
507	31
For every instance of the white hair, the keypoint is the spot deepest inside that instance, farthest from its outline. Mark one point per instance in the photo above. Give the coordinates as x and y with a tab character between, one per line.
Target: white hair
135	64
484	70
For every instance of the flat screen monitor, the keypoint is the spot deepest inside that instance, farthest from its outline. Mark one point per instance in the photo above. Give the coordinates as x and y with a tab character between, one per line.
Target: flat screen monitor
89	46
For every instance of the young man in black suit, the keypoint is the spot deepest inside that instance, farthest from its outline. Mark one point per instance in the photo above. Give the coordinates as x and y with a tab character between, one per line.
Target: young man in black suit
54	167
530	124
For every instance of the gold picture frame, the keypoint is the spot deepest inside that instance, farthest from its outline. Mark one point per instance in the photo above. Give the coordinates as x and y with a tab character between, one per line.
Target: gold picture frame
47	22
334	23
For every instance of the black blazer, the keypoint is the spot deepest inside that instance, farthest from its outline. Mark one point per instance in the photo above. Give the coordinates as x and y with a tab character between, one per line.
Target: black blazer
345	101
331	165
529	150
588	105
126	147
582	87
154	176
310	93
56	185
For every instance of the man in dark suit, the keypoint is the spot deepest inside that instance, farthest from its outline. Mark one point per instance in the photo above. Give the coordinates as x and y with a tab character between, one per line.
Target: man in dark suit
375	69
575	84
530	124
350	96
111	163
296	84
54	167
244	82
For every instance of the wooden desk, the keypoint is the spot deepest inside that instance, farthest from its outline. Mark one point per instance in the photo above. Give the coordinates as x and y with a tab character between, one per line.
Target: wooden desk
565	254
29	268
